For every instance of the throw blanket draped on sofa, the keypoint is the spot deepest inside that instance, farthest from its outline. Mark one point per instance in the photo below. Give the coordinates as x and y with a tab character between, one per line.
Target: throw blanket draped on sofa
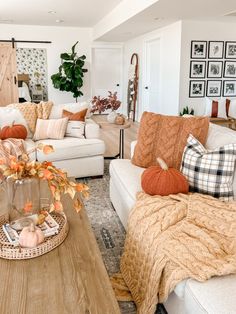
173	238
11	147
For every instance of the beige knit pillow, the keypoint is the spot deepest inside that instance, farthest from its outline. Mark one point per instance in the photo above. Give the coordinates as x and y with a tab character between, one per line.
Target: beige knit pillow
53	129
44	109
29	111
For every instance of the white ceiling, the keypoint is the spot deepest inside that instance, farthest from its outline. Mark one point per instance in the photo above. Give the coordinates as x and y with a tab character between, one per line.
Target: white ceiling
164	12
80	13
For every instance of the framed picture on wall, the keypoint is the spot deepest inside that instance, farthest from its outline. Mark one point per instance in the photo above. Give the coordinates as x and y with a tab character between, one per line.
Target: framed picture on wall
229	89
215	69
197	69
230	50
214	88
230	69
197	89
198	49
216	50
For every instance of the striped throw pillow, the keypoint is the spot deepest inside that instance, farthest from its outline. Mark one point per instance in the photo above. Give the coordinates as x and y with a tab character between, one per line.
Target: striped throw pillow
53	129
209	172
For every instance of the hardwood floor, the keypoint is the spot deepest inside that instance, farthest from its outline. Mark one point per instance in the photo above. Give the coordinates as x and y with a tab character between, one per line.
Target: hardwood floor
111	137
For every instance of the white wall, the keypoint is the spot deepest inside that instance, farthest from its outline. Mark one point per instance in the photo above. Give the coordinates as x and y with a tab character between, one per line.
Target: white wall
170	38
199	30
62	39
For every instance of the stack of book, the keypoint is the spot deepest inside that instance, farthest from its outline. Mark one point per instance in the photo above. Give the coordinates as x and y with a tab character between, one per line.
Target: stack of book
49	227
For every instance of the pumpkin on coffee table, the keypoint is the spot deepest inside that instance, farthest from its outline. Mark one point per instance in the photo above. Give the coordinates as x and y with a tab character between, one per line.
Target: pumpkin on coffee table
161	180
13	131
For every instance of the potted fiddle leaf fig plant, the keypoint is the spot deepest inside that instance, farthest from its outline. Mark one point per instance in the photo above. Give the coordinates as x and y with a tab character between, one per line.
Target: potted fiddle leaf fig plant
71	73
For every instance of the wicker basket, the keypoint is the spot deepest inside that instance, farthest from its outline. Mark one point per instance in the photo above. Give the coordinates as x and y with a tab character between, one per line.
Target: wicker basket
9	251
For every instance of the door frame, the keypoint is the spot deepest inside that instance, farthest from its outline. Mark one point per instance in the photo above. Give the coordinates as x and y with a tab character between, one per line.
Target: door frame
101	45
148	40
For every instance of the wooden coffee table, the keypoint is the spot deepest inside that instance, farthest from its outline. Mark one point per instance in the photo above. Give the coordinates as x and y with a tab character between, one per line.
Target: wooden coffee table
70	279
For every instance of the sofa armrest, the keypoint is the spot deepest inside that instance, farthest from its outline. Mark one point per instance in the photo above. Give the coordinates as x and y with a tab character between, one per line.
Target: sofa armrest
92	129
132	147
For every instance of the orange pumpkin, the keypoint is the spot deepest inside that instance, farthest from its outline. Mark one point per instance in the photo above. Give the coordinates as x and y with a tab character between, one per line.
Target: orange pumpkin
13	131
161	180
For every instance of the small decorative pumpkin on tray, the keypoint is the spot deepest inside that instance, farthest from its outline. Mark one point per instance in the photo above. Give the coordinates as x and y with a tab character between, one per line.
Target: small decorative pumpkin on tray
161	180
31	236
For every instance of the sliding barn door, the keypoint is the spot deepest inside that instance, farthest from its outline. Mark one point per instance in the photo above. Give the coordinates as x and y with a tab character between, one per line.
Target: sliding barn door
8	75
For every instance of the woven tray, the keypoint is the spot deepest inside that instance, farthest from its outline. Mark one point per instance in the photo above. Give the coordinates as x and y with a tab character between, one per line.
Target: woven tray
9	251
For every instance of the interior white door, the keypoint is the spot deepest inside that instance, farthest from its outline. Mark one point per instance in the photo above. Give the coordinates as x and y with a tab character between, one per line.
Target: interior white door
106	71
152	81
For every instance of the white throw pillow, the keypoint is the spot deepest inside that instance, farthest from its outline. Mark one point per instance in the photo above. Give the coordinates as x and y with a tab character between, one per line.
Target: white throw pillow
221	107
56	112
75	129
10	115
232	108
53	129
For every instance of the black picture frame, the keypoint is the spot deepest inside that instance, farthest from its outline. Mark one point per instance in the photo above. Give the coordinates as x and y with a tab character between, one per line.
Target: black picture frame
230	50
218	54
211	82
209	68
202	49
194	94
233	70
227	94
201	63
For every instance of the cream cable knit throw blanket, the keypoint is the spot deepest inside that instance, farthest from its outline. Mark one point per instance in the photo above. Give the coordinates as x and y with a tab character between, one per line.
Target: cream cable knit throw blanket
173	238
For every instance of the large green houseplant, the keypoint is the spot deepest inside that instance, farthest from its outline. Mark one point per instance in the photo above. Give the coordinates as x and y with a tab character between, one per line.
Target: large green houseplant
71	73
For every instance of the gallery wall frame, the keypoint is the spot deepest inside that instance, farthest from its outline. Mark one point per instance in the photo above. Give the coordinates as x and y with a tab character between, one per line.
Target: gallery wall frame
230	50
215	69
214	88
229	88
198	49
215	49
230	69
197	88
197	69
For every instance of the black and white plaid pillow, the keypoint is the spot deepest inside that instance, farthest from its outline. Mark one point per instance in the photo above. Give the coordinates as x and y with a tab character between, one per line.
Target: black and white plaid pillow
209	172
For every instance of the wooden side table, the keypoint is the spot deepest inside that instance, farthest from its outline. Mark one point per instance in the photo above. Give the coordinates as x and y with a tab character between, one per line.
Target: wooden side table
109	126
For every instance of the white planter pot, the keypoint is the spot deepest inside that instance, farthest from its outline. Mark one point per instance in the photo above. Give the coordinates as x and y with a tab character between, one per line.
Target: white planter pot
111	117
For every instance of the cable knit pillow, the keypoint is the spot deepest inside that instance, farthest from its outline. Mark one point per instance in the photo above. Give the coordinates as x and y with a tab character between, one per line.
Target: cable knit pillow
53	129
44	109
166	137
209	171
29	111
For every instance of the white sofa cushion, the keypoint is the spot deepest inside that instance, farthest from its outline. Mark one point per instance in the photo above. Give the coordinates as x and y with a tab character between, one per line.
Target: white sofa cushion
214	296
219	136
56	111
92	129
70	148
128	176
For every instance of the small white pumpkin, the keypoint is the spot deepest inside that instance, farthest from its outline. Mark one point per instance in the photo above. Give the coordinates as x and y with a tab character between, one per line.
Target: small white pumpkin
31	236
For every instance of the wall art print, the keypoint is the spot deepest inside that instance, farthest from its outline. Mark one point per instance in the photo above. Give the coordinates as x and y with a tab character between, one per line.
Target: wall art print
33	61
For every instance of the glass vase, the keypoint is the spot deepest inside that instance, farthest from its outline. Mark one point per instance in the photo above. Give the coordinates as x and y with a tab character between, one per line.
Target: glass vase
23	201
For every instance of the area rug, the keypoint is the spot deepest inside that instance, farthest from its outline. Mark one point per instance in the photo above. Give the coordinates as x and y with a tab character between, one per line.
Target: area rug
108	230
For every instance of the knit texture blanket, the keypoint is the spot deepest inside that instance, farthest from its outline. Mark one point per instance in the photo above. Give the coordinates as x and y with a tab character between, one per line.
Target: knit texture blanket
173	238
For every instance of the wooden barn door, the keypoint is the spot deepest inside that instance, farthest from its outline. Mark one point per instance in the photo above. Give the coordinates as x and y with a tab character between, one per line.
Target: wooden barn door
8	75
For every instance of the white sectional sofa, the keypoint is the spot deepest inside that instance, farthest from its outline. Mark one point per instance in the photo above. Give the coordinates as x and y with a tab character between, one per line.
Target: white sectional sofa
215	296
80	157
